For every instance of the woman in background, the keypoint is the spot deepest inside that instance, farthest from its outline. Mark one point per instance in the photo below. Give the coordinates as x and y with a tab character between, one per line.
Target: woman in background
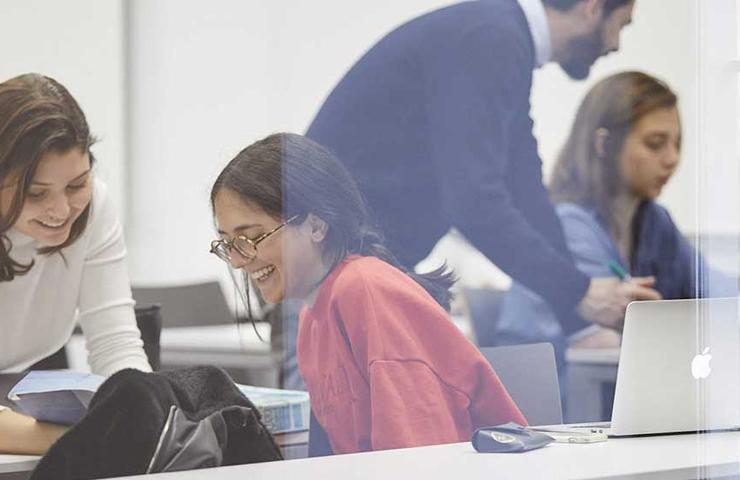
62	256
383	363
623	148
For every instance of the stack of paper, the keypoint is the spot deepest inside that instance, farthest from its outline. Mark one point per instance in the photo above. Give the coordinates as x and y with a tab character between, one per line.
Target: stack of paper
56	396
286	414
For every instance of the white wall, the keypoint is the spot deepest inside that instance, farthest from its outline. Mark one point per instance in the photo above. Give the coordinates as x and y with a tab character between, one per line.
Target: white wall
80	43
208	78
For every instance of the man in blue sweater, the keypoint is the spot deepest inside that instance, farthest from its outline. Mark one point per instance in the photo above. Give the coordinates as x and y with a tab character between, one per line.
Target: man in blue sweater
433	121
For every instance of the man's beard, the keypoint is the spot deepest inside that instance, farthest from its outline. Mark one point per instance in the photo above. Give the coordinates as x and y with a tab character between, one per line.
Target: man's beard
583	53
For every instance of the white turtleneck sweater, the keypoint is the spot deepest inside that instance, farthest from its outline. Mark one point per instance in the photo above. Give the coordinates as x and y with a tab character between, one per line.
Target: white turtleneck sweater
88	284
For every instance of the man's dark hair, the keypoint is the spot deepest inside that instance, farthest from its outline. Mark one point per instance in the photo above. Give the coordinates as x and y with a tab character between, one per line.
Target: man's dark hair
565	5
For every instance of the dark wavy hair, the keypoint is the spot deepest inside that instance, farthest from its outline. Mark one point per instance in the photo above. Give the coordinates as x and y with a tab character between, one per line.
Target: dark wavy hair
37	116
581	174
287	174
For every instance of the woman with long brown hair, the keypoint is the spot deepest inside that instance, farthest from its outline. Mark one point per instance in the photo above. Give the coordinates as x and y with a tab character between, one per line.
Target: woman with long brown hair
62	256
623	148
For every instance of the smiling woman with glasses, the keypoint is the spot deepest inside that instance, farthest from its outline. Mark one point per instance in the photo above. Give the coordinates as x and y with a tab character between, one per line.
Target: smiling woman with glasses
384	365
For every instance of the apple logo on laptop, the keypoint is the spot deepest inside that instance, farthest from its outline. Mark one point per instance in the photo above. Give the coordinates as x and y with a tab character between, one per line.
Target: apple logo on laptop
700	364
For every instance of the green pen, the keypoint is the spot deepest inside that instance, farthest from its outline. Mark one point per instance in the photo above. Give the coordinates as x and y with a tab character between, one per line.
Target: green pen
617	269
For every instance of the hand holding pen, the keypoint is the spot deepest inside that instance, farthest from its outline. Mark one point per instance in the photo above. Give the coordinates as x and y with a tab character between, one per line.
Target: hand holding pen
607	298
620	272
641	293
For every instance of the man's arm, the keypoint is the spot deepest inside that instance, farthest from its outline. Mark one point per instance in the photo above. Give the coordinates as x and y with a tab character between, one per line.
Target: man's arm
476	81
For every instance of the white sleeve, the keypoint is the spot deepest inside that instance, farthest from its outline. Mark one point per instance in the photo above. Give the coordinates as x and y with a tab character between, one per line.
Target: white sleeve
106	309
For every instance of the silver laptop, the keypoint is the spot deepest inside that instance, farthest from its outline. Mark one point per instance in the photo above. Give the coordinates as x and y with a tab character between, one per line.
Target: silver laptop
679	368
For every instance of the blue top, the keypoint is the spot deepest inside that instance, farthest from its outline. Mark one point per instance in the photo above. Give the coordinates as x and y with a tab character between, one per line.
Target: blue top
660	250
433	123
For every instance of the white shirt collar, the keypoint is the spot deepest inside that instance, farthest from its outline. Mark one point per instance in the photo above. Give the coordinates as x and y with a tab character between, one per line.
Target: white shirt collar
539	28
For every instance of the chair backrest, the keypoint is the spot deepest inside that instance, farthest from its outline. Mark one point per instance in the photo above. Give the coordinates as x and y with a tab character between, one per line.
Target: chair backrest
529	374
484	306
149	321
187	305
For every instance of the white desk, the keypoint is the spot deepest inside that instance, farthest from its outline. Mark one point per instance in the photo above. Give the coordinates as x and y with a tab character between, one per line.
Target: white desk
17	463
593	356
675	456
668	456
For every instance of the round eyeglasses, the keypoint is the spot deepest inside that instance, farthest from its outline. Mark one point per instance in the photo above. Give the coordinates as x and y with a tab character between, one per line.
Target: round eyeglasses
244	246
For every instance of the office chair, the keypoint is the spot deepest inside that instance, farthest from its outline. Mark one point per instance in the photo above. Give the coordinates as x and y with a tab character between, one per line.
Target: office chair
484	307
149	321
530	375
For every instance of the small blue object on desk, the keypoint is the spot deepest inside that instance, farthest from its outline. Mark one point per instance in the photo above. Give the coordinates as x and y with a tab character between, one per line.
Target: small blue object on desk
509	438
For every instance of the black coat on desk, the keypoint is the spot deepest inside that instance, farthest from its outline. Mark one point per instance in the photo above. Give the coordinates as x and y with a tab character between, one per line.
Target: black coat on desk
127	416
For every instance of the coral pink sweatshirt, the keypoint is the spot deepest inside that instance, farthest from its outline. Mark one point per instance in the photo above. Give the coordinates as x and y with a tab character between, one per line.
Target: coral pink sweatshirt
386	367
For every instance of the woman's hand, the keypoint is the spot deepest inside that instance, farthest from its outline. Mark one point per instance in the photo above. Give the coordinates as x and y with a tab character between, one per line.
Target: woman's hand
607	298
21	434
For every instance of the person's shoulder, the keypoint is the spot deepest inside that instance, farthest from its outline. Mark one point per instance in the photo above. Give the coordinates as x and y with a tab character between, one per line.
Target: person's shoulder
499	20
358	275
657	211
365	281
583	225
367	269
103	217
499	11
568	211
